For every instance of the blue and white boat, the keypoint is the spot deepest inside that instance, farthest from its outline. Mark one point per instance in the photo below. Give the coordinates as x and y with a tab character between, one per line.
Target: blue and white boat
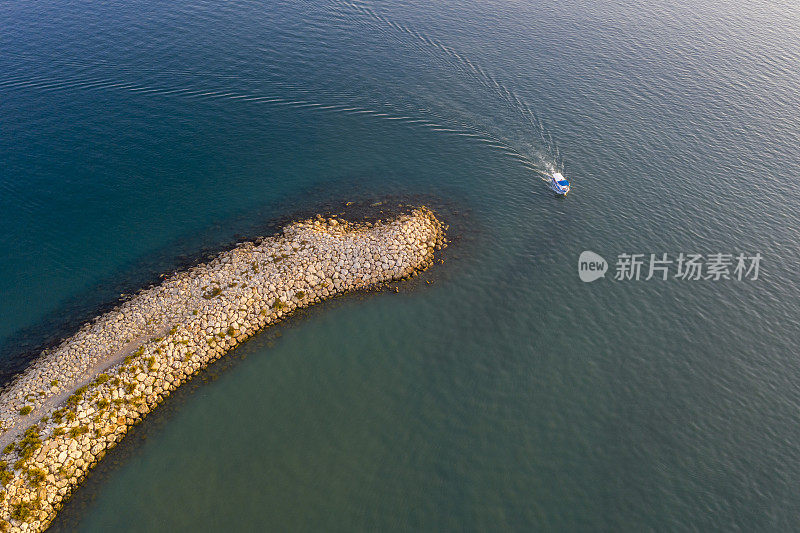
559	184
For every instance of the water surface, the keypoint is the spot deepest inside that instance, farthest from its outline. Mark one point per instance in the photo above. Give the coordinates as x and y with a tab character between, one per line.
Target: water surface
508	394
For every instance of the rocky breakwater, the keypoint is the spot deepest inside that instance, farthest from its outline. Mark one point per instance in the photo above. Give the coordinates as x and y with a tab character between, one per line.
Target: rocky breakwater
75	402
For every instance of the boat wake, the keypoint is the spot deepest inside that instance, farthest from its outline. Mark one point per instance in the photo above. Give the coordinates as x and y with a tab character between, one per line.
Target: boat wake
542	157
547	160
386	111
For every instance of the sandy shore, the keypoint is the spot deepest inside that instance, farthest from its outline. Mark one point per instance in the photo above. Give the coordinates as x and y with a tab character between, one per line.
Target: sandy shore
76	401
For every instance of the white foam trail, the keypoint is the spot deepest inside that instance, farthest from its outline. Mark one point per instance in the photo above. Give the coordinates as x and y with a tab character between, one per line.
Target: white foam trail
262	99
172	91
24	82
493	142
53	83
203	94
88	84
152	90
188	93
507	95
302	104
41	85
82	83
142	89
128	86
371	113
290	102
21	78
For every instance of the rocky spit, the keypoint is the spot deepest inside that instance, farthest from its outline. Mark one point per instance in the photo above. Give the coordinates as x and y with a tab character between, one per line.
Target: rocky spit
73	403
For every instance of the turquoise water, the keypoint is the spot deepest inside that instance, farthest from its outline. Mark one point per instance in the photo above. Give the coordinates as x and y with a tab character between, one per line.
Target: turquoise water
506	395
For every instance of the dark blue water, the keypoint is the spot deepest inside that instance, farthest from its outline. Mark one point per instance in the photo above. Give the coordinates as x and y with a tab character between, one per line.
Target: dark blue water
508	394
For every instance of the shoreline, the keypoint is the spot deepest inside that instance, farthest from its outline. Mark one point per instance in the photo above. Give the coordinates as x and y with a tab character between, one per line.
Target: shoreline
89	390
20	348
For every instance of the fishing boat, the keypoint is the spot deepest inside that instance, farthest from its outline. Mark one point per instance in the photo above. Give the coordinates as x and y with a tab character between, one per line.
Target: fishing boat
559	184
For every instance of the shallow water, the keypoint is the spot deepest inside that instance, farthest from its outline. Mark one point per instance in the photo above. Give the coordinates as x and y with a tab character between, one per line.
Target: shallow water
508	394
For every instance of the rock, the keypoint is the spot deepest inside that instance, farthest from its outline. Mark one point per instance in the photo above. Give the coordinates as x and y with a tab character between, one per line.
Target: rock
170	331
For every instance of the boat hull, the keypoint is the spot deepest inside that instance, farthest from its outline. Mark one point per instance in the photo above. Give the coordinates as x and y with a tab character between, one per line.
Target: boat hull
562	191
